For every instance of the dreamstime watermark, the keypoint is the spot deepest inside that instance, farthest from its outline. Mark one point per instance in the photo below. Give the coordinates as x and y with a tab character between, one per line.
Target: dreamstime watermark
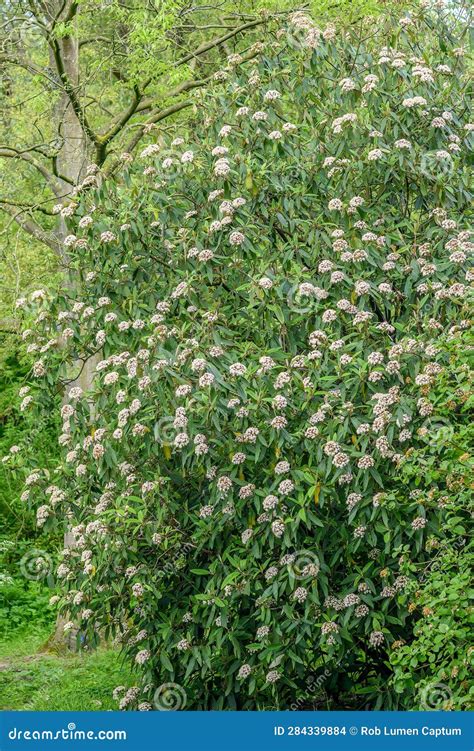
300	302
165	431
171	566
66	734
440	431
435	696
314	685
436	165
172	162
36	565
165	163
305	563
169	697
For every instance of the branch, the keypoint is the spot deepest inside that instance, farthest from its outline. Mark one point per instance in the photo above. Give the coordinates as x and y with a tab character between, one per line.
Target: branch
11	153
154	118
92	40
26	206
54	161
31	227
206	46
71	12
180	89
118	125
161	114
27	65
67	85
145	104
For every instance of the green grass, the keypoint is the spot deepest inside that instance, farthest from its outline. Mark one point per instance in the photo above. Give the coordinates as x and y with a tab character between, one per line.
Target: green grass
24	641
31	680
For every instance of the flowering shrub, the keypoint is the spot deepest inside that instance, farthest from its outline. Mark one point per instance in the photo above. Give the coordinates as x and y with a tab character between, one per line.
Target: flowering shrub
265	298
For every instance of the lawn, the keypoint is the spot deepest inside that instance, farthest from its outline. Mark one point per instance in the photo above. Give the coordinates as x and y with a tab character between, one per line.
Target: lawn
39	681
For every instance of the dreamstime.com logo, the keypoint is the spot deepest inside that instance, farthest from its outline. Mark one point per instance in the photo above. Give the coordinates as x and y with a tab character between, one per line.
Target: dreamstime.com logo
67	734
314	686
441	431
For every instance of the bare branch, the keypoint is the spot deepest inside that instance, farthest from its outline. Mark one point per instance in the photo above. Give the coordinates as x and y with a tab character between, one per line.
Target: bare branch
182	88
31	227
27	206
206	46
92	40
11	153
21	62
120	122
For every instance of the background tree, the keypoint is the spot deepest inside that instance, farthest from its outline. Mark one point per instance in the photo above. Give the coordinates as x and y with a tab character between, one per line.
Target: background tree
84	81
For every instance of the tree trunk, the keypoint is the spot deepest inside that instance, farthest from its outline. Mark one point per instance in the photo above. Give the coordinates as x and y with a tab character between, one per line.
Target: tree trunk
73	161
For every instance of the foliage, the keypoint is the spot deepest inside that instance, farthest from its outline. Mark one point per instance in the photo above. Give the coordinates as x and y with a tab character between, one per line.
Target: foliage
23	605
35	680
269	294
23	602
433	671
24	591
82	81
15	517
17	262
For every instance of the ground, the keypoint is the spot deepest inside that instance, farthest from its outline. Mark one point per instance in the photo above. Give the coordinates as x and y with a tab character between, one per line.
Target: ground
32	679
